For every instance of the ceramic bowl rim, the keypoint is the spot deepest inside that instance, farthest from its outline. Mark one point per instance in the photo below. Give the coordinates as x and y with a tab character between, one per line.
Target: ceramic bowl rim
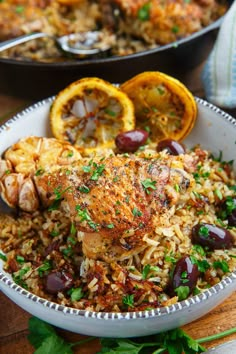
157	312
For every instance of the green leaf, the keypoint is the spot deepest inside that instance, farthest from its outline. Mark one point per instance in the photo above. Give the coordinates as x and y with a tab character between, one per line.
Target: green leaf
121	346
148	184
128	300
3	257
223	265
76	294
203	231
54	345
136	212
47	265
182	292
146	270
174	347
144	12
39	331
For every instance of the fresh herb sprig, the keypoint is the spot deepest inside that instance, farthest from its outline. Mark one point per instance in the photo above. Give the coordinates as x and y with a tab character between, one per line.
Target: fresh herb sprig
45	340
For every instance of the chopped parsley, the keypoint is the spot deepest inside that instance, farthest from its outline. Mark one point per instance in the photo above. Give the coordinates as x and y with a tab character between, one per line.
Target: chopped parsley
58	192
39	172
70	153
3	257
202	265
72	229
20	259
128	300
147	269
144	12
18	277
54	233
68	251
203	231
97	172
110	226
76	294
223	265
199	249
182	292
44	268
148	184
136	212
84	189
218	194
175	29
110	112
95	169
84	216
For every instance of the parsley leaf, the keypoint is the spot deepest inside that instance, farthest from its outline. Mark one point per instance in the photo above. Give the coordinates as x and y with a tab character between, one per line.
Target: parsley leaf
44	267
128	300
182	292
76	294
223	265
54	344
136	212
148	184
45	340
39	330
144	12
97	172
3	257
203	231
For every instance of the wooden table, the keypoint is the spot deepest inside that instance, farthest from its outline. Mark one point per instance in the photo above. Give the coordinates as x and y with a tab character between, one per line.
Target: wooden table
14	320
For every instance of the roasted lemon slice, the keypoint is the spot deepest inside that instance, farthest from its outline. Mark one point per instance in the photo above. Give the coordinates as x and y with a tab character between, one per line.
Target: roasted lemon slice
89	114
163	105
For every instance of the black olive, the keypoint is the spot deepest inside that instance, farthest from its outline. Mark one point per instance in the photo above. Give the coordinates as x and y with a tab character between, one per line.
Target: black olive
232	218
173	147
211	236
51	247
131	140
185	274
57	281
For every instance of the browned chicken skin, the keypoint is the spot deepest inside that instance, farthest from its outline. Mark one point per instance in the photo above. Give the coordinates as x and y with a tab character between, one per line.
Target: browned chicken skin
113	202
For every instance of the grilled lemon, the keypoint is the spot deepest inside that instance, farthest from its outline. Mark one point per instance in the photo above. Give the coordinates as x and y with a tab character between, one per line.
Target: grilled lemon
90	113
163	105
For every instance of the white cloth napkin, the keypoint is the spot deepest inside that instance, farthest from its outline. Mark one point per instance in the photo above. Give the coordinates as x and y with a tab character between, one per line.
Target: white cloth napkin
219	73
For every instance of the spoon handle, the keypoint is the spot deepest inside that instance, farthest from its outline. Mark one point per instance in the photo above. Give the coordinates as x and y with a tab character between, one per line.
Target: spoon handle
19	40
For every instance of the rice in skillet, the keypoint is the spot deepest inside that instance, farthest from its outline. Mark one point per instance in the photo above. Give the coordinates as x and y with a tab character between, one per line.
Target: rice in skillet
44	250
129	26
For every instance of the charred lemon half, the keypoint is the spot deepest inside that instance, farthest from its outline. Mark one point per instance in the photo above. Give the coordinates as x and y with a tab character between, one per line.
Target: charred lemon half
163	105
89	113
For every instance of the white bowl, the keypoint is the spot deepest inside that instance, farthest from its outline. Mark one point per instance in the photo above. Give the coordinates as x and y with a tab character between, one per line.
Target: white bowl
215	130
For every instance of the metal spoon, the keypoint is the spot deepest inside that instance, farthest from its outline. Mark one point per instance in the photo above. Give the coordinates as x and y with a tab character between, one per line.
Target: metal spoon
78	44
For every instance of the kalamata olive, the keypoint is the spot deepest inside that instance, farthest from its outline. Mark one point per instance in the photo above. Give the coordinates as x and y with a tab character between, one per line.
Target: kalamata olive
51	247
211	236
232	218
57	281
173	147
131	140
185	274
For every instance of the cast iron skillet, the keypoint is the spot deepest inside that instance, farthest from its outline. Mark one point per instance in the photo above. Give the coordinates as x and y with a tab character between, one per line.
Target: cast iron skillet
34	80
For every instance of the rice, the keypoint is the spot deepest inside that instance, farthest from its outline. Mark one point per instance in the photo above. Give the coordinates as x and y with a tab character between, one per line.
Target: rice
43	243
120	21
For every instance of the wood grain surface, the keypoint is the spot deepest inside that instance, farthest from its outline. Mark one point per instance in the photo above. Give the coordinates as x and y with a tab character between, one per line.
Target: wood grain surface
14	320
